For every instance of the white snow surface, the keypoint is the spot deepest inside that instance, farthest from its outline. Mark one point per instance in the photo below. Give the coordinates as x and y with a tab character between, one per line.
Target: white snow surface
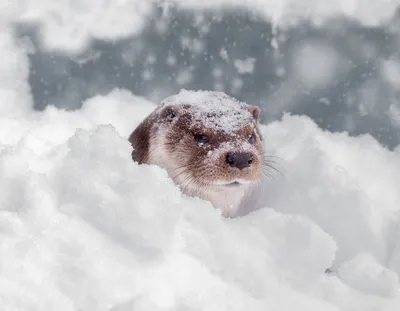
82	227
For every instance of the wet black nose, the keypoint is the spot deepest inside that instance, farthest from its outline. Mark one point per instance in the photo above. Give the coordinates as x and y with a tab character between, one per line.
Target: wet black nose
239	160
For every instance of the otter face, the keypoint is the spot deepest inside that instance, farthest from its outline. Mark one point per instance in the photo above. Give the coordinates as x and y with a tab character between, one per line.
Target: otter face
211	151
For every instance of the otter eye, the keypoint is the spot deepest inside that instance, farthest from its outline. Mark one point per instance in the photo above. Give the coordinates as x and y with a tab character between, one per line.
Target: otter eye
202	139
252	138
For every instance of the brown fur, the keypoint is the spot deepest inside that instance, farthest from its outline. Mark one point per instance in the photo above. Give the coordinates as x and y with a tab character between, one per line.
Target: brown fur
180	141
140	140
170	132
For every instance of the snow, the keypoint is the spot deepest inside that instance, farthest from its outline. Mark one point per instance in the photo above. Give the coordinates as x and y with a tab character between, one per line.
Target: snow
71	26
365	274
212	110
315	65
85	228
291	12
390	71
82	227
245	66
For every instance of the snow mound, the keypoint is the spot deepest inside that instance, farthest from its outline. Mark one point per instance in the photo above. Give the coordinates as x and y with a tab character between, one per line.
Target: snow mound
82	227
212	110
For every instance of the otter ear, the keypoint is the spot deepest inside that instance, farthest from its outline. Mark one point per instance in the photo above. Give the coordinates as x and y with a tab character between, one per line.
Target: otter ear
255	111
169	113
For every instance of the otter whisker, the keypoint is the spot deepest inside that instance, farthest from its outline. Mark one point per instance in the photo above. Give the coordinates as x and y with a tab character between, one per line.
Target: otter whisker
179	135
270	171
268	164
267	175
272	156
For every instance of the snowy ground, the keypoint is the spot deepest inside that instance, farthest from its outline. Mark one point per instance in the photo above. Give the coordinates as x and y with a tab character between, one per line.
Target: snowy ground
82	227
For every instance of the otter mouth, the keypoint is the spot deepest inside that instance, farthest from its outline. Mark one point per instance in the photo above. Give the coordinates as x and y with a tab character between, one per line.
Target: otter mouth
233	183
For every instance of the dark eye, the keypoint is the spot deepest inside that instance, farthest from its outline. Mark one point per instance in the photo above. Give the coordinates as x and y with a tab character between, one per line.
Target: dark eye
252	138
202	139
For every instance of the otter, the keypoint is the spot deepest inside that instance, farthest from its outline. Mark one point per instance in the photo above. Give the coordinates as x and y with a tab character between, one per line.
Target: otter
208	142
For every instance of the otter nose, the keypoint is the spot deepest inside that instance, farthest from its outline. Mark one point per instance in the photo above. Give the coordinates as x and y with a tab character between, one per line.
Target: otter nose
239	160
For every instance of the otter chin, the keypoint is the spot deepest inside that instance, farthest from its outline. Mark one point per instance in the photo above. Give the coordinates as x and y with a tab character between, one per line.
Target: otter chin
208	142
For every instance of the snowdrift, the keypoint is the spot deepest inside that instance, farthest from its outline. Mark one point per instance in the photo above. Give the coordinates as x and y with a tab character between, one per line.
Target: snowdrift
85	228
82	227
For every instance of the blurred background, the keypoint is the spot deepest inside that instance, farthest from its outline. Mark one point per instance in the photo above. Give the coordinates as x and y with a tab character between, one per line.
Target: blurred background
342	71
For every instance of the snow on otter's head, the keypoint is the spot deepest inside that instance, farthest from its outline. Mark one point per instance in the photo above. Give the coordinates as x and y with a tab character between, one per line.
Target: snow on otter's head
213	110
209	143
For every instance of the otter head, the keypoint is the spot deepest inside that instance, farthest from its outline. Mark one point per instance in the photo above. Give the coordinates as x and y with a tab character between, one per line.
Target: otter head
209	143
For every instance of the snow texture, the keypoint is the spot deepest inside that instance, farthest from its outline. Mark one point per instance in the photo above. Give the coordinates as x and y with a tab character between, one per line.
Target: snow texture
82	227
66	25
212	110
245	66
291	12
316	65
85	228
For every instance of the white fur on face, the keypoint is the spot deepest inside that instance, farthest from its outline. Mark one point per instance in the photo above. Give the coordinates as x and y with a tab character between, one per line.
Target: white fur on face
226	198
158	155
227	182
